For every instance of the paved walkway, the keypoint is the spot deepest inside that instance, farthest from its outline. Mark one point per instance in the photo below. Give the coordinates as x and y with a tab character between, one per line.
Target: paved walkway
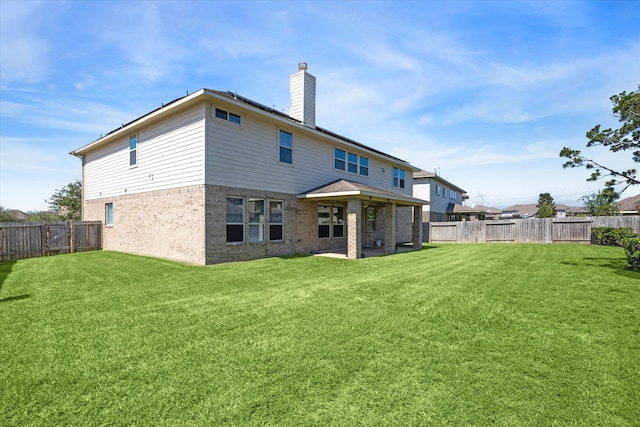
366	252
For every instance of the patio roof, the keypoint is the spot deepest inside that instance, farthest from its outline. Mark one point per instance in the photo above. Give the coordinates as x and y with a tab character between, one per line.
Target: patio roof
343	190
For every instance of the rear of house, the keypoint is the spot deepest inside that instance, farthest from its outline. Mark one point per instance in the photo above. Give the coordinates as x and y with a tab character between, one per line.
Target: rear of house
214	177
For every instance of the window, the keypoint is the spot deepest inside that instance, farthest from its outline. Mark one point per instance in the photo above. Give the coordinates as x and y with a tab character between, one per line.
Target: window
324	221
286	147
108	214
331	221
234	118
224	115
221	114
276	220
339	159
133	150
352	163
338	221
437	190
371	219
453	194
364	166
444	192
398	178
235	219
256	220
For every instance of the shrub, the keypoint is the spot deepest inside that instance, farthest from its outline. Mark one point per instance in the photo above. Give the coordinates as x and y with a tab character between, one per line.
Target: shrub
611	236
632	251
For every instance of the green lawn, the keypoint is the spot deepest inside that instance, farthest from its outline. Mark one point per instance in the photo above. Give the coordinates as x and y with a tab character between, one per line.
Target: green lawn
454	335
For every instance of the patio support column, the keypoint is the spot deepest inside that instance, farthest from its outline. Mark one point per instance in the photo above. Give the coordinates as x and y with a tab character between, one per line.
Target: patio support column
416	229
390	228
354	227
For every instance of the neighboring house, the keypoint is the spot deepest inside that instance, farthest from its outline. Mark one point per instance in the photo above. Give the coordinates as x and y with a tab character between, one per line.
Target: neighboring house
629	205
445	199
214	177
20	216
530	210
489	212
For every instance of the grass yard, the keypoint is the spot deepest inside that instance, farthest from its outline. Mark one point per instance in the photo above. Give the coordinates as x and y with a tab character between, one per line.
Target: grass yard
506	335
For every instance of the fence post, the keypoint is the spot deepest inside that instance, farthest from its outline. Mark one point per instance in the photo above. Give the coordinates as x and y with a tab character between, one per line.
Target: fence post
70	236
43	240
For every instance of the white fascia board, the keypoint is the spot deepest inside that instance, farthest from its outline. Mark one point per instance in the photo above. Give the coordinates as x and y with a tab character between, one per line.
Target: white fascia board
365	194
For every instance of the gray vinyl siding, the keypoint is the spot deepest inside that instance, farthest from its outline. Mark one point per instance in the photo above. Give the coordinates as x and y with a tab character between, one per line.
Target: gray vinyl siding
170	154
247	156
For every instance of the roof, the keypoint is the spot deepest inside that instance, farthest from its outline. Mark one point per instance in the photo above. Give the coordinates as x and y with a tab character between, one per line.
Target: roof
426	174
342	189
489	210
460	209
630	203
233	97
531	209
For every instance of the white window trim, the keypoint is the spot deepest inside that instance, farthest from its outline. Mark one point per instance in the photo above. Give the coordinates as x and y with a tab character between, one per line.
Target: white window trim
228	114
136	150
280	162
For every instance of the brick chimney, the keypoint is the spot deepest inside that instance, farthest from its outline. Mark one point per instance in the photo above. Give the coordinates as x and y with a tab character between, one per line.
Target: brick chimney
303	96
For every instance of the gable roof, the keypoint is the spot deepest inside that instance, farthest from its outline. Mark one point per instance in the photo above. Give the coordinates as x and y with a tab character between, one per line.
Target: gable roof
630	203
166	109
342	189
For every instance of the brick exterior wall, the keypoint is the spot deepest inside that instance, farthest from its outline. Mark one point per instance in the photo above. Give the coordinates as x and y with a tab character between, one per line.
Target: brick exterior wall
165	224
188	224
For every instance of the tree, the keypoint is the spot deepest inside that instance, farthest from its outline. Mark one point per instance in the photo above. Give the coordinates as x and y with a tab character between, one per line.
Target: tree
546	206
6	215
44	216
602	203
67	201
626	107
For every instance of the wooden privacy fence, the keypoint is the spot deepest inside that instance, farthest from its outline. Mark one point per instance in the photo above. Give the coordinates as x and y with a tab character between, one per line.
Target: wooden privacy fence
533	230
20	240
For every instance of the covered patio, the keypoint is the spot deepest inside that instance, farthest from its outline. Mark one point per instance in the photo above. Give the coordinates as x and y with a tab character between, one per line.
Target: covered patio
358	198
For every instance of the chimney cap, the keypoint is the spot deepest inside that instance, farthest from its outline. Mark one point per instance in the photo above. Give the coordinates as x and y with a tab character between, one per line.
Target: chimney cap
302	66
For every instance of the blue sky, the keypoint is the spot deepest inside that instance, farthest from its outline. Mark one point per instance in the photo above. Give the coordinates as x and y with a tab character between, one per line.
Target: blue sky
487	93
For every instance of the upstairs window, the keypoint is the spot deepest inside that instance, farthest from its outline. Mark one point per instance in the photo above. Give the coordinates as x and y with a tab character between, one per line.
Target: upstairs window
339	157
133	150
437	190
234	118
364	166
453	194
350	162
352	165
286	147
224	115
398	178
221	114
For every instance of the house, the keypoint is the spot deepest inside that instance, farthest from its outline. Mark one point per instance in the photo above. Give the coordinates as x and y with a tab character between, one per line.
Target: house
445	199
530	210
629	205
215	177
